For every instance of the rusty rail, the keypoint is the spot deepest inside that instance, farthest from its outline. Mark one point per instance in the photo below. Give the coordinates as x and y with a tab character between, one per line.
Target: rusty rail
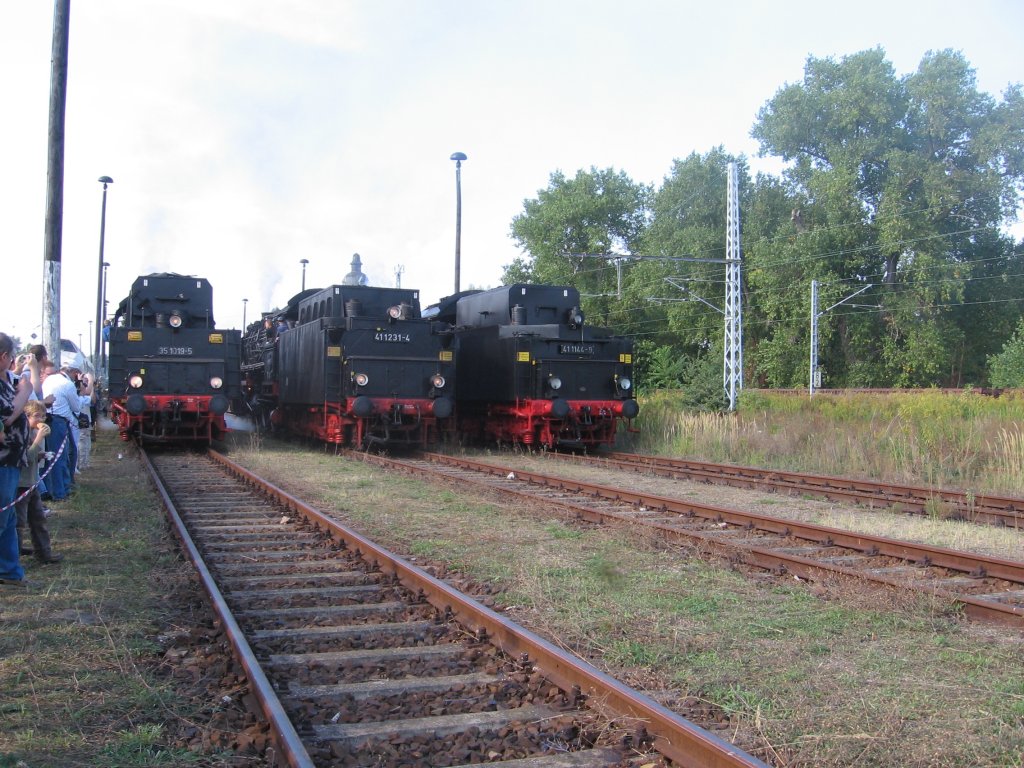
963	562
287	740
964	505
678	739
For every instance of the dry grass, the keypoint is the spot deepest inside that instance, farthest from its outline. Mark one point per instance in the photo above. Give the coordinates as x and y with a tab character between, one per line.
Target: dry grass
1007	450
813	676
940	440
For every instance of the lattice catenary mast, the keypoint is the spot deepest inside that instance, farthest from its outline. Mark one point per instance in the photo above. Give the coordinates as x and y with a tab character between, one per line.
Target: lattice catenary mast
733	362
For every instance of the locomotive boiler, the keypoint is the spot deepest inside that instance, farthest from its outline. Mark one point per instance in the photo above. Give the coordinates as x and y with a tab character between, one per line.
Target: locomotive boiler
533	372
172	372
352	365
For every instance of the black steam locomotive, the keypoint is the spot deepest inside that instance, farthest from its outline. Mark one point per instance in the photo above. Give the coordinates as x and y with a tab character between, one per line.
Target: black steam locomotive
172	373
532	372
351	365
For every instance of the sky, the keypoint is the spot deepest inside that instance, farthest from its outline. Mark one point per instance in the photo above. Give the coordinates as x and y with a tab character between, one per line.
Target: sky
245	135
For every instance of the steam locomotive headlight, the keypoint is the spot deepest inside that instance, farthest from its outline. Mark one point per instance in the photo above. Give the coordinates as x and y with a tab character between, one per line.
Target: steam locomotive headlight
554	382
361	379
135	382
437	381
624	383
216	382
395	312
175	321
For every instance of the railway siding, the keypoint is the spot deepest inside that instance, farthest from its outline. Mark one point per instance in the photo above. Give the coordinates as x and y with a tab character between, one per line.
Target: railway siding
952	504
986	588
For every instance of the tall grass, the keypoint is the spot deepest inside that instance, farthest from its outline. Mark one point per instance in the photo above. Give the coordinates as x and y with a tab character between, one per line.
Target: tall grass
942	440
1007	450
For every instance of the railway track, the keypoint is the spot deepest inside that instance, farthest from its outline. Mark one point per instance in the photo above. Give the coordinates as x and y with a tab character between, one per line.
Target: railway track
951	504
985	588
359	658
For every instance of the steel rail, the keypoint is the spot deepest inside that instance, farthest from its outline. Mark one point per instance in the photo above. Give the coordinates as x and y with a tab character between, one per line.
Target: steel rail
989	508
971	564
285	736
678	739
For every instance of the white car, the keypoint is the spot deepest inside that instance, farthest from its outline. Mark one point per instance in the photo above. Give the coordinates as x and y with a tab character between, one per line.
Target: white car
71	357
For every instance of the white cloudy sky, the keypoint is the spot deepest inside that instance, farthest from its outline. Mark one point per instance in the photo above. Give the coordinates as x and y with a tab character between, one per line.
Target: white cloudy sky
245	135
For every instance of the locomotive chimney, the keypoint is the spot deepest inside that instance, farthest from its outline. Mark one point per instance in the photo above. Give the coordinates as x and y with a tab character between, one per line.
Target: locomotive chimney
356	276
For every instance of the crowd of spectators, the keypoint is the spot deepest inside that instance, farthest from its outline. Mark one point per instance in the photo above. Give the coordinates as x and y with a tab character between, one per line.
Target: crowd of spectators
46	417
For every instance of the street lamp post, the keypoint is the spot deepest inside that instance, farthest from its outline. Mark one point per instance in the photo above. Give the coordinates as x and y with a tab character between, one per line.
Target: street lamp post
244	303
90	341
104	180
303	262
458	157
103	341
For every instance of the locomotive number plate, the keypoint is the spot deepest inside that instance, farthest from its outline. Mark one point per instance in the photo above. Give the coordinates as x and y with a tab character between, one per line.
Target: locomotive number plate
576	349
386	337
177	351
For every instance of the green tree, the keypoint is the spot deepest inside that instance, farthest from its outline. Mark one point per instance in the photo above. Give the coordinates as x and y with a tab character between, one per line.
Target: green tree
596	212
909	180
777	275
662	367
1007	368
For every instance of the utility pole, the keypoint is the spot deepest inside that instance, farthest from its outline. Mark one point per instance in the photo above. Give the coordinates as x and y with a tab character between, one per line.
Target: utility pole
53	229
732	356
815	377
733	353
399	269
732	364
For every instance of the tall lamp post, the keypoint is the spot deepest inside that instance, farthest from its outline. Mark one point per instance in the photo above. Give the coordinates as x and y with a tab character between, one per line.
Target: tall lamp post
303	262
104	180
103	341
245	303
458	157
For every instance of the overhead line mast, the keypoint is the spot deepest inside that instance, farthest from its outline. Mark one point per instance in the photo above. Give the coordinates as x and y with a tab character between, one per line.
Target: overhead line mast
732	367
733	362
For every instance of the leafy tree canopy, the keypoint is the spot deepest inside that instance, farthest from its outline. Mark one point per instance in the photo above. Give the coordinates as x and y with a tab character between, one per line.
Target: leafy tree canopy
918	172
892	199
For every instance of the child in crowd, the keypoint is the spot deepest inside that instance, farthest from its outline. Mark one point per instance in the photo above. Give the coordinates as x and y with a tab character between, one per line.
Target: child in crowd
30	509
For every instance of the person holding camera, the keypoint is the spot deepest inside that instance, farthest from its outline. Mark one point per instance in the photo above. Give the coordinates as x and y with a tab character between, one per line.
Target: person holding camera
74	375
29	506
29	367
84	420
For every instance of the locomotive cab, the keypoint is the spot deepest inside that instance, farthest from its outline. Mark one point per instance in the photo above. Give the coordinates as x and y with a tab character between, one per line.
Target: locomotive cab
358	365
533	371
172	373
